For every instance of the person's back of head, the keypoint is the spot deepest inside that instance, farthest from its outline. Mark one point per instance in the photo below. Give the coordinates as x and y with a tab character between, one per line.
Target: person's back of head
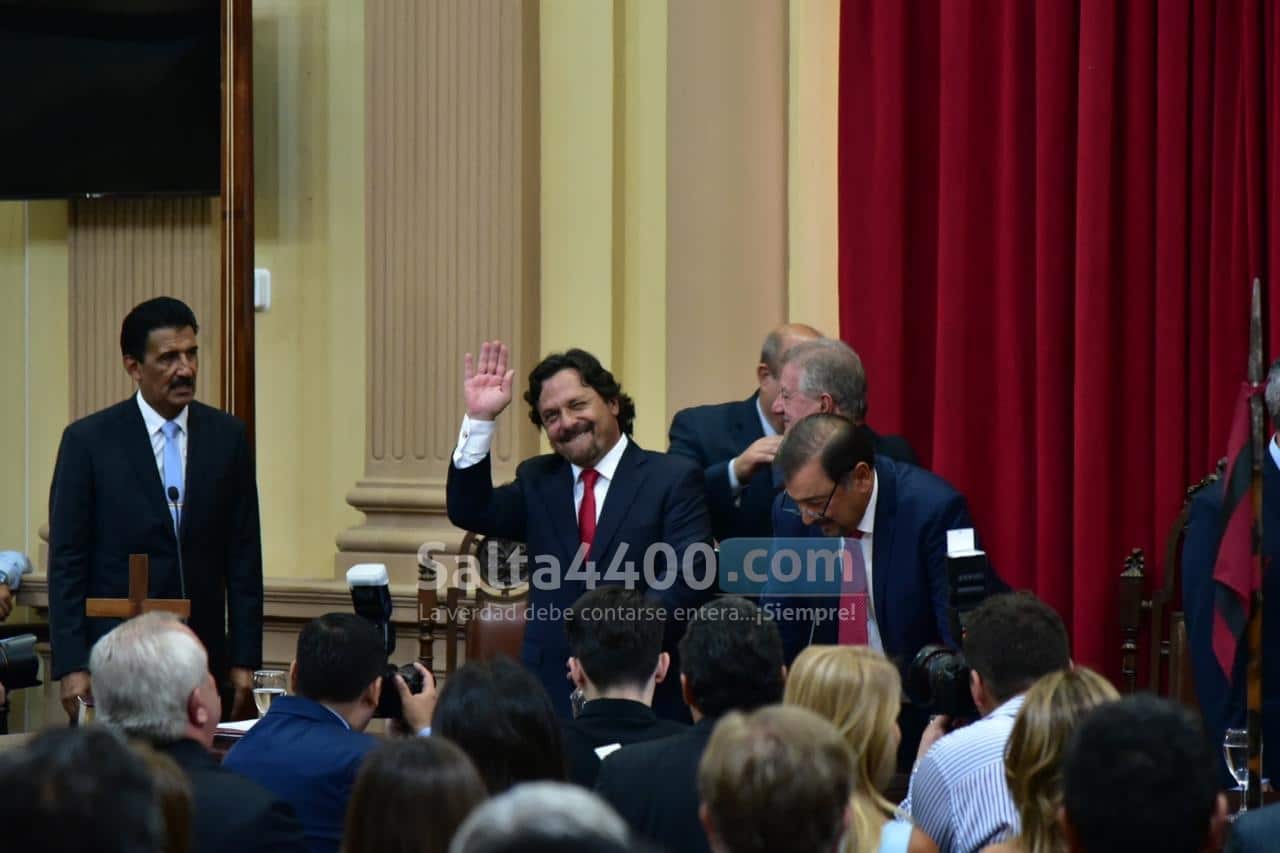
615	639
542	816
776	780
731	658
340	660
1138	774
151	679
503	719
1011	640
386	812
1050	712
78	789
859	691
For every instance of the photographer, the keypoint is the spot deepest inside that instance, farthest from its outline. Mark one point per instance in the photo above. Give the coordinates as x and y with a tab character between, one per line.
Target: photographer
309	746
959	796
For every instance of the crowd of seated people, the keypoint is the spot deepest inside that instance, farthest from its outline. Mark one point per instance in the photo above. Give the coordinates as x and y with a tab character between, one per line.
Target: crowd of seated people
777	759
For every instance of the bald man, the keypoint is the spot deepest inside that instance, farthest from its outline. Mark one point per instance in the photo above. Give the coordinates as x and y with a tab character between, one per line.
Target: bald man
734	443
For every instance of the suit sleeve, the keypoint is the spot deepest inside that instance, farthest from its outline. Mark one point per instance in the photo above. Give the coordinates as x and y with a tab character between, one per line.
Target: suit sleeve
953	515
244	563
71	526
683	438
473	503
687	529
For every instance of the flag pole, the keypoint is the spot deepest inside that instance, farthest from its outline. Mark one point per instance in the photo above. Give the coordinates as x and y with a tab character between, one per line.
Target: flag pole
1253	717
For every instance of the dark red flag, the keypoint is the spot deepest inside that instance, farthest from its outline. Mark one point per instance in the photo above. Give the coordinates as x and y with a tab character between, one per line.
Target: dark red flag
1233	570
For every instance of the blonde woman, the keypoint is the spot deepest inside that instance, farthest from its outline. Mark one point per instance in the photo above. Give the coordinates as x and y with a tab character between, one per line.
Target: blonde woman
859	690
1052	709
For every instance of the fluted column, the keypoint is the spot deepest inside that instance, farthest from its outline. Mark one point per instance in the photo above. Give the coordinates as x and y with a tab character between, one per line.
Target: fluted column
451	250
122	252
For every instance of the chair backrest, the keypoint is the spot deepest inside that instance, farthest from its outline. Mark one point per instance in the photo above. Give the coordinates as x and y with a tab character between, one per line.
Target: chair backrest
1169	659
482	614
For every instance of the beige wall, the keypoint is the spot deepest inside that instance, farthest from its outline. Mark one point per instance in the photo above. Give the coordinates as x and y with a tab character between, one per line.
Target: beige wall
309	170
686	203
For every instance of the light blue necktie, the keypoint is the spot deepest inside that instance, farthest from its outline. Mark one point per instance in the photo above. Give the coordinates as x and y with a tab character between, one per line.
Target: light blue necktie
173	468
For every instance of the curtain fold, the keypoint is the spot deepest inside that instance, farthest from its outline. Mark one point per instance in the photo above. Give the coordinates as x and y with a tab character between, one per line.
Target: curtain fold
1050	214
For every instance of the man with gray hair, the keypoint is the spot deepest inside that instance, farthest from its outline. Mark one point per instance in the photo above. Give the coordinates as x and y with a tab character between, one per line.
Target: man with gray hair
826	375
734	443
151	680
1221	700
542	816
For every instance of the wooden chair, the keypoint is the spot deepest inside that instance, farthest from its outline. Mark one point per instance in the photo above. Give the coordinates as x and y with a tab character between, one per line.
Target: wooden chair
1169	664
483	616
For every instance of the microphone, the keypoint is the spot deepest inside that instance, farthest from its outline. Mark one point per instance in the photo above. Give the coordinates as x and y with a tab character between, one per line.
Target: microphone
177	533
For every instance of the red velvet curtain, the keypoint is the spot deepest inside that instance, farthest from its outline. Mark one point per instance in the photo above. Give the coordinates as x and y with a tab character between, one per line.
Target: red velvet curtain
1050	213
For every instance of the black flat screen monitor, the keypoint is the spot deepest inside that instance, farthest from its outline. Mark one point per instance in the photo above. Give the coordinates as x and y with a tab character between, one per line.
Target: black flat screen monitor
109	97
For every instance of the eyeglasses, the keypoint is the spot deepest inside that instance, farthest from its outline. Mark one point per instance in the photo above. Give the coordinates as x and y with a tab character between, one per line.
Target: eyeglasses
816	517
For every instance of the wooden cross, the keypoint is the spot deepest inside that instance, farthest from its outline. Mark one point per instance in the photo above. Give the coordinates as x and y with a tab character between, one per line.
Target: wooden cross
137	602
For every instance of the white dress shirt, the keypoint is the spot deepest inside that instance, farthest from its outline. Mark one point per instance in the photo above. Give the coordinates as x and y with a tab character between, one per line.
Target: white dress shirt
867	527
155	431
476	437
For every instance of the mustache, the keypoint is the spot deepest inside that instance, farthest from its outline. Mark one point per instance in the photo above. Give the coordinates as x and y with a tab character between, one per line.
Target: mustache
182	382
569	435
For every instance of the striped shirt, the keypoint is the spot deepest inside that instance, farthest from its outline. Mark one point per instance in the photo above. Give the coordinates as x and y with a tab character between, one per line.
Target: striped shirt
958	793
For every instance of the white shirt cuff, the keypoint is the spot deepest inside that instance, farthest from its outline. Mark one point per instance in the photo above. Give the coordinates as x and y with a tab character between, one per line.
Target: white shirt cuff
474	440
734	485
425	731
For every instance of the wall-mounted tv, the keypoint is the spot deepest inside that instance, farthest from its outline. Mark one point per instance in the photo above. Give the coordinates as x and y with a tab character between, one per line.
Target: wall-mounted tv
109	97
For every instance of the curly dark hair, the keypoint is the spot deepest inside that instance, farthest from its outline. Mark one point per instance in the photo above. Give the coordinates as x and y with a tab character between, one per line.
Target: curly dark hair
593	373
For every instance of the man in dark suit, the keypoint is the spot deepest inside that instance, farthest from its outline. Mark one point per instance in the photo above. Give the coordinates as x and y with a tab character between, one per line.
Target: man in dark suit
1222	702
130	479
734	443
598	494
732	662
897	516
898	513
152	681
615	639
308	747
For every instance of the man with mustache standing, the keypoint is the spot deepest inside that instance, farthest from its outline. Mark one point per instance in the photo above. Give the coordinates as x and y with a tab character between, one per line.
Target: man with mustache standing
597	511
140	477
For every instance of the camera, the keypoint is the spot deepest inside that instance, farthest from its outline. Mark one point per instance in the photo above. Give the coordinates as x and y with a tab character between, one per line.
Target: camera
19	669
371	598
938	682
938	677
389	700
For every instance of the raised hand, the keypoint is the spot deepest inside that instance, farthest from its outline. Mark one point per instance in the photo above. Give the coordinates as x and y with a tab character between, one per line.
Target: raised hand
486	387
759	455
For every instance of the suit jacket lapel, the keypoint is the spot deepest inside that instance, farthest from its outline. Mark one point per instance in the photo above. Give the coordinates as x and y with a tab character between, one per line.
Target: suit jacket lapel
882	540
748	427
199	462
136	445
622	492
557	498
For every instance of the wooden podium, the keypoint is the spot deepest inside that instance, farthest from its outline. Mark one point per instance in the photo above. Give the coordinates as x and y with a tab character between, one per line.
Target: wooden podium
137	602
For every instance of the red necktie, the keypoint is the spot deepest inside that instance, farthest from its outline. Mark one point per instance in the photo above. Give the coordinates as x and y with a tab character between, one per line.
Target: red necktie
587	509
853	595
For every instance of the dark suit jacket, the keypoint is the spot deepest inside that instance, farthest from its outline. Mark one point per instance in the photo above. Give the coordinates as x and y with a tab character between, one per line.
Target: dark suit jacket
1255	831
107	501
609	721
1222	704
713	436
653	498
304	754
654	786
914	510
230	812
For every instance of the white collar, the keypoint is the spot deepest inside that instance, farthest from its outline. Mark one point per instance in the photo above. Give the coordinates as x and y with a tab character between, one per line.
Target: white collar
765	423
608	463
868	523
1274	446
155	421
